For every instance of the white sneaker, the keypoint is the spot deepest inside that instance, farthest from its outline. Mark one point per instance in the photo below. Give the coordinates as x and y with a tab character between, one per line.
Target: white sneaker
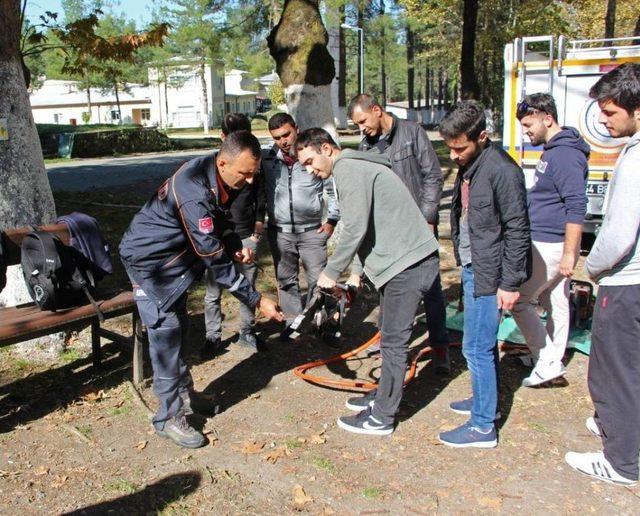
592	426
596	466
543	373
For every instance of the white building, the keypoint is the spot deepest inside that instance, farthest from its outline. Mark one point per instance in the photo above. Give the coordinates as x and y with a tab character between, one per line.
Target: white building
238	98
64	102
177	94
174	98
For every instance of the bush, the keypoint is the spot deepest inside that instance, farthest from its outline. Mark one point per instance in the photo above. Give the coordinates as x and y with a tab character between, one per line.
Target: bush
121	141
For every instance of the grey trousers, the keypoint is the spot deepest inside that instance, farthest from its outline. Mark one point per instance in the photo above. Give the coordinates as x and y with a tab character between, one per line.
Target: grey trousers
288	249
213	294
399	299
614	375
166	331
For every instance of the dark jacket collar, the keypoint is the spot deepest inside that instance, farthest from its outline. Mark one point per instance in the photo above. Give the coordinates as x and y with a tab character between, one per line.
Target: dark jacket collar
470	170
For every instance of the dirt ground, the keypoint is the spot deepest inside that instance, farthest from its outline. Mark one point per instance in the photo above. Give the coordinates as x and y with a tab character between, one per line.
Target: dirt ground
76	440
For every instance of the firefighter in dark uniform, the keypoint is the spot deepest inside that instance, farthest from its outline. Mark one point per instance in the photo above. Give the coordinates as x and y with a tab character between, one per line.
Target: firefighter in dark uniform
181	231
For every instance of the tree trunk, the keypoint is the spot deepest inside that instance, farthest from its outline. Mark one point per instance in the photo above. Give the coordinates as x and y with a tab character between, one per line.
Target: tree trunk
610	20
205	99
636	32
298	44
115	89
383	70
427	85
467	57
89	106
360	48
342	63
410	64
441	106
25	194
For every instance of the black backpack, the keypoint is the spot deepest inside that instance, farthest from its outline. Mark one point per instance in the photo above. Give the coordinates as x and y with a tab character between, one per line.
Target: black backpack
55	277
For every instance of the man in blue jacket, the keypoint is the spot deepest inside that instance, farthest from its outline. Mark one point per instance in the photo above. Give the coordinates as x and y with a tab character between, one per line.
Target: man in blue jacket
557	205
181	231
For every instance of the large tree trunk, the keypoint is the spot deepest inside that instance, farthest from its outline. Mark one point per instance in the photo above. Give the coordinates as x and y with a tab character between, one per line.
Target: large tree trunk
205	99
298	44
25	194
360	25
115	89
610	20
467	58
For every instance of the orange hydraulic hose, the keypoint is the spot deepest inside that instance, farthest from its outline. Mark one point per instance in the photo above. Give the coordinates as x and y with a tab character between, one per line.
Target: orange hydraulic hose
362	386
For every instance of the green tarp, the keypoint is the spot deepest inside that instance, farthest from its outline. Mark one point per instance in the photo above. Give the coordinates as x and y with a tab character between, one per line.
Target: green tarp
509	332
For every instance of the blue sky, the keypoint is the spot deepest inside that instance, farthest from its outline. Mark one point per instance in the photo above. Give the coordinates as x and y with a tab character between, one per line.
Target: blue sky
139	10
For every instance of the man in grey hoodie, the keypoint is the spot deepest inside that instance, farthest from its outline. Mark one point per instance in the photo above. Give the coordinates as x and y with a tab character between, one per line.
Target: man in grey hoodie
614	261
385	228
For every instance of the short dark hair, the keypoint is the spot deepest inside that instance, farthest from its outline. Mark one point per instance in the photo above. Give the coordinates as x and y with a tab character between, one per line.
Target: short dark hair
314	138
620	86
280	119
467	117
364	101
232	122
537	102
239	141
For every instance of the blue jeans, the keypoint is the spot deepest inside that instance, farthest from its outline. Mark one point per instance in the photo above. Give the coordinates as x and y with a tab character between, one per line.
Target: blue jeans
480	349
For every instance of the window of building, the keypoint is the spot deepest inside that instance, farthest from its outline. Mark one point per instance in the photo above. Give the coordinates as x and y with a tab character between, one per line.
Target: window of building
115	115
145	114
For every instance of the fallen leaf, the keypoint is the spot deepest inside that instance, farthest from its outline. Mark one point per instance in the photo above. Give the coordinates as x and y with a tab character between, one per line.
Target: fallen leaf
250	447
92	397
276	454
42	470
299	496
318	439
490	502
119	404
141	445
59	480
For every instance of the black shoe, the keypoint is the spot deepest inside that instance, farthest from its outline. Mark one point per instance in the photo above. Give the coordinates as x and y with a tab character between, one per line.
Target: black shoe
441	360
211	348
285	335
198	403
364	423
251	341
360	403
178	430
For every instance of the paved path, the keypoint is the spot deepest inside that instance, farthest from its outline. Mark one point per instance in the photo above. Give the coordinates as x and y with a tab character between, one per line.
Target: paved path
89	174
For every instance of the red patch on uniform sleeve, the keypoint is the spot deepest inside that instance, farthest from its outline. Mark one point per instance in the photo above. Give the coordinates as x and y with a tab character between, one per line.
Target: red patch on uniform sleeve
205	225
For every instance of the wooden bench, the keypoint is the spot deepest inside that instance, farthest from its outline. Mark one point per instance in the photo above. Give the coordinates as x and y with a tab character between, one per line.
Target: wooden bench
27	321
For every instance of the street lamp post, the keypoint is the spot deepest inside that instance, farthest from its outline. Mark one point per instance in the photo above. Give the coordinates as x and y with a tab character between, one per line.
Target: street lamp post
361	41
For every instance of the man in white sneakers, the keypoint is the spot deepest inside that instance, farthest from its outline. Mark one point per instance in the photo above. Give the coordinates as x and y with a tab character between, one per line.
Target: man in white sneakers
557	204
614	261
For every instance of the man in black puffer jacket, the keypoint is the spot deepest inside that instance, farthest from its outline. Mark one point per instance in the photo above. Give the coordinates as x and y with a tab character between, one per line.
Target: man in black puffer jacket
491	240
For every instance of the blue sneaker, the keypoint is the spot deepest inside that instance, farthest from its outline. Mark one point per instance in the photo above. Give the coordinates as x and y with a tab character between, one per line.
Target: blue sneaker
464	407
468	436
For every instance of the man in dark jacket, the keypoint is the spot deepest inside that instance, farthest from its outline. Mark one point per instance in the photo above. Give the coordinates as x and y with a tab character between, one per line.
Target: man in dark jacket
416	163
490	234
181	231
557	206
247	209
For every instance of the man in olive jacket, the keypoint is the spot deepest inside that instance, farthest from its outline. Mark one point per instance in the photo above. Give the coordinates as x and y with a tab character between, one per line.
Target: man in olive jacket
491	239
